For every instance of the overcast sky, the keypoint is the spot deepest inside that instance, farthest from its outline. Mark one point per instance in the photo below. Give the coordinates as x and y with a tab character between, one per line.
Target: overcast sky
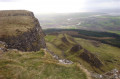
59	6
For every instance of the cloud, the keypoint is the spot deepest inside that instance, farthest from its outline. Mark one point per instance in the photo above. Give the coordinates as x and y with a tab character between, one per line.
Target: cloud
101	1
8	0
59	5
102	4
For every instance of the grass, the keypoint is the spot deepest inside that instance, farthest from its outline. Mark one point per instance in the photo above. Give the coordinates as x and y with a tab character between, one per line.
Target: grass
14	12
50	38
104	37
54	49
108	54
88	21
56	44
35	65
13	25
9	25
117	32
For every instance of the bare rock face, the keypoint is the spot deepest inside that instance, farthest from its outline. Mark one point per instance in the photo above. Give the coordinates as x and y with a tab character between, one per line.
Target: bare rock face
86	56
91	58
21	30
76	48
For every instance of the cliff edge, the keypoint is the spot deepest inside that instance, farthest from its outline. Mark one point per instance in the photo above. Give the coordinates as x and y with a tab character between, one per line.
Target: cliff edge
21	30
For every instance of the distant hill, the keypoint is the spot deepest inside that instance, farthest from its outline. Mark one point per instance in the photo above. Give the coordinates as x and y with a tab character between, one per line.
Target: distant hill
94	21
104	37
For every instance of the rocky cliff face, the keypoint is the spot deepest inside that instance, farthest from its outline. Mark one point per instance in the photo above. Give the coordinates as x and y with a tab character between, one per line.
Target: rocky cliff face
21	30
87	56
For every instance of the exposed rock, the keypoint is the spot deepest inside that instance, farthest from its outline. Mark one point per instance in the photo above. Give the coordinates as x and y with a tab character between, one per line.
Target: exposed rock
76	48
3	46
86	55
91	58
15	50
64	39
62	61
28	36
113	74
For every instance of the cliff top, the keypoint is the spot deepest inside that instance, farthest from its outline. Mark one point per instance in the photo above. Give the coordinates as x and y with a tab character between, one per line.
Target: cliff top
4	13
14	21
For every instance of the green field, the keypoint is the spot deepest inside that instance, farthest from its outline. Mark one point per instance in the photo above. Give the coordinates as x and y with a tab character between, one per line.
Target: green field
86	20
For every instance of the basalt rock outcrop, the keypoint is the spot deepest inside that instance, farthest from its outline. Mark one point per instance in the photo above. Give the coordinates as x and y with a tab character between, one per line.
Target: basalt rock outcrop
21	30
91	58
76	48
86	56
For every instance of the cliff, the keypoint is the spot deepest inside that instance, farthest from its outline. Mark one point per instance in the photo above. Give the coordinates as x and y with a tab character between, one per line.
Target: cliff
21	30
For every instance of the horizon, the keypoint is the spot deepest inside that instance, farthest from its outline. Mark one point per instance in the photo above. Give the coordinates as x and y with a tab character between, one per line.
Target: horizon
61	6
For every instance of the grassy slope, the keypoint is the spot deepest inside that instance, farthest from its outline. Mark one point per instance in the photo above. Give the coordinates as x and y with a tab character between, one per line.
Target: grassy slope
55	44
35	65
108	54
9	24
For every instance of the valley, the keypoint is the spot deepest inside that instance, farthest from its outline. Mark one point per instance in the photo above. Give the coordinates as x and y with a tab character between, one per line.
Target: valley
92	21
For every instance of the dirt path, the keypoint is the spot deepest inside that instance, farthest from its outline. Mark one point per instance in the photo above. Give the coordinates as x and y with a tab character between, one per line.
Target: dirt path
85	70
